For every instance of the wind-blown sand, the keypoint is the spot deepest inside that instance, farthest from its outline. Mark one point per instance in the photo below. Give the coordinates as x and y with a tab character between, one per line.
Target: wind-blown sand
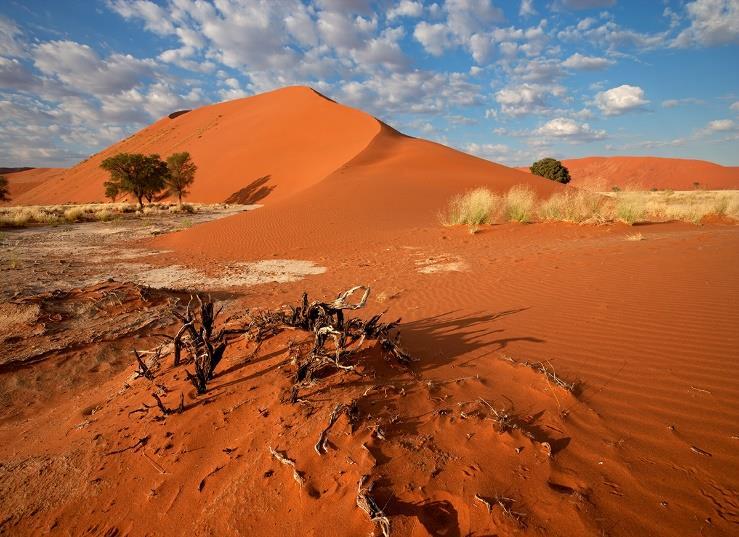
648	446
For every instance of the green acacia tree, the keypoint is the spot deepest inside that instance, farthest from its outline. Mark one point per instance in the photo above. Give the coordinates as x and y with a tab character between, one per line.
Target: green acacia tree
181	174
551	169
144	176
4	192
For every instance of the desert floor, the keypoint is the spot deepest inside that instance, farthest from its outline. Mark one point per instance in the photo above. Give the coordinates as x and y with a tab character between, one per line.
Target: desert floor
476	437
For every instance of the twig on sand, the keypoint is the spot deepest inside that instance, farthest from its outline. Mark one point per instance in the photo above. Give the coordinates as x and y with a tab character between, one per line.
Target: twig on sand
154	464
140	443
367	503
320	446
299	479
700	451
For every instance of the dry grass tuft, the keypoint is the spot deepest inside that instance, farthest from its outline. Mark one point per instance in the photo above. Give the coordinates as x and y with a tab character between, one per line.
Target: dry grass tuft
478	206
519	204
74	214
635	237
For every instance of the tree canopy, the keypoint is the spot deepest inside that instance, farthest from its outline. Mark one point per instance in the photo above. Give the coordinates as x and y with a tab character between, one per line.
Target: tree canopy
551	169
144	176
4	192
181	174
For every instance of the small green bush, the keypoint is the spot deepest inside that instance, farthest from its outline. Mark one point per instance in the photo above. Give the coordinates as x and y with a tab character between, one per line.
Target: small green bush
551	169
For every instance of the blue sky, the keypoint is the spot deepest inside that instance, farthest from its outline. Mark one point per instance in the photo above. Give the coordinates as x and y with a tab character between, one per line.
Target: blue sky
511	81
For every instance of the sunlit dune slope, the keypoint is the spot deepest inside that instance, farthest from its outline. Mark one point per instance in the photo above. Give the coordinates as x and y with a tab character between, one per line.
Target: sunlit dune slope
248	150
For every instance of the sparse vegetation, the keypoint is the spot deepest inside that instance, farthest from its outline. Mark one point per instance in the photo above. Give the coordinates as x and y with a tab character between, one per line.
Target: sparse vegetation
91	212
519	204
551	169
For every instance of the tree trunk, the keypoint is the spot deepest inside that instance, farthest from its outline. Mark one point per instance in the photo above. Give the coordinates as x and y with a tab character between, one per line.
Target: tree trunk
179	197
141	201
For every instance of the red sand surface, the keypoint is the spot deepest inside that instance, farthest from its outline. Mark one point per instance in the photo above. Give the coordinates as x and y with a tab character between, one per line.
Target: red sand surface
644	173
23	181
651	327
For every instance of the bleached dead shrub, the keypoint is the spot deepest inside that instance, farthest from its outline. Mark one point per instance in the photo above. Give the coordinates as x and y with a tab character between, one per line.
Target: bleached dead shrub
519	204
478	206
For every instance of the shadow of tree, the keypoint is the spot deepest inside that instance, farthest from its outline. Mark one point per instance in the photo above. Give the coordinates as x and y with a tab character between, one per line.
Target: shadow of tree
252	193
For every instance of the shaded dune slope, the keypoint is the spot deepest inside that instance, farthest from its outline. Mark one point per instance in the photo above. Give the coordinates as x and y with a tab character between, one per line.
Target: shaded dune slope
21	182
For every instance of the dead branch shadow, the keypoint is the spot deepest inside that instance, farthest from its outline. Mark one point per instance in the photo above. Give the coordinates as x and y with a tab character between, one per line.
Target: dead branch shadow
252	193
437	340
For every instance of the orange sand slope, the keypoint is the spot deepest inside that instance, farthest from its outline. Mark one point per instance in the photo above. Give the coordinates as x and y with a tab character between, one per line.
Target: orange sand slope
651	172
271	146
23	181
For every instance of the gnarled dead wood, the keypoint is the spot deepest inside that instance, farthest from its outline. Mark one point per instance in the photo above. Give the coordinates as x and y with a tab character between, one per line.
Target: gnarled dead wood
338	410
367	503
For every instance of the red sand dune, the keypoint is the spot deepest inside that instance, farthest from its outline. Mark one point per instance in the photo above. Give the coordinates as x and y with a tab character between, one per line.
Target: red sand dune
650	172
272	145
23	181
648	447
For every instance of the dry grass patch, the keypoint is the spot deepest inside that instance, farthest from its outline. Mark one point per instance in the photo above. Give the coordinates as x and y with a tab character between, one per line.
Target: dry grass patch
635	237
519	204
21	216
665	205
578	206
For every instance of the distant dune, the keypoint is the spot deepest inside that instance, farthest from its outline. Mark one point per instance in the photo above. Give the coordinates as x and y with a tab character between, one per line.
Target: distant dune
650	172
268	147
21	180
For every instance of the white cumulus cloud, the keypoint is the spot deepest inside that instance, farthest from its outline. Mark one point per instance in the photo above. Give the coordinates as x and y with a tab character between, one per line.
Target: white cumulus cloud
620	100
569	129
